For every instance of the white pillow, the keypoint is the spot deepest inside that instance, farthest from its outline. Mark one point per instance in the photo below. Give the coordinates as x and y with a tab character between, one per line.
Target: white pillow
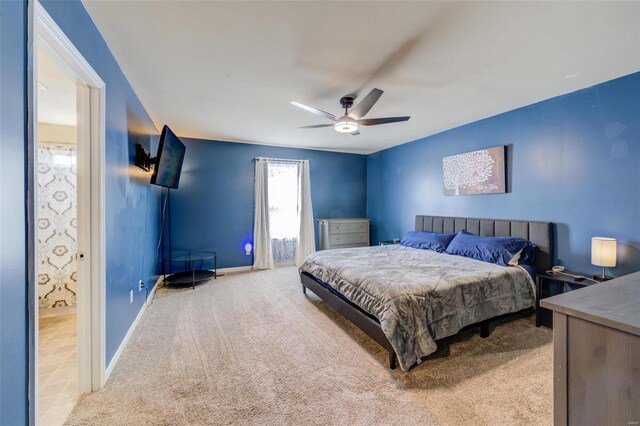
515	259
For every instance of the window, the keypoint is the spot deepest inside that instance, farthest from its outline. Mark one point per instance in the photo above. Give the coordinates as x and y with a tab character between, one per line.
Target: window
283	227
284	221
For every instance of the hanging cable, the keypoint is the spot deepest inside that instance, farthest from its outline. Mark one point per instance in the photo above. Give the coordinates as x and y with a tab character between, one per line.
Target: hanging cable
164	208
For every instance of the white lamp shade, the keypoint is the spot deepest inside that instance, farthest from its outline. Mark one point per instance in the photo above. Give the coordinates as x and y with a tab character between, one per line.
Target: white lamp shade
603	251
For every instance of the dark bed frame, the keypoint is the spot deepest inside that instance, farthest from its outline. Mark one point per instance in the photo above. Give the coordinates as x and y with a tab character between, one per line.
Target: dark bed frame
539	233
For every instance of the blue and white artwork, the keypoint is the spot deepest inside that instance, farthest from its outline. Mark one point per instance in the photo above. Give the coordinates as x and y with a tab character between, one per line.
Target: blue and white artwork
475	172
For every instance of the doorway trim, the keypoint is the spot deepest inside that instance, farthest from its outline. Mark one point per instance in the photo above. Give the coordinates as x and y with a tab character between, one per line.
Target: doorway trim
91	303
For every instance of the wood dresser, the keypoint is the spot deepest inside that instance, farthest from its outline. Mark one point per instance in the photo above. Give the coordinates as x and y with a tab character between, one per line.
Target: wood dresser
596	354
342	233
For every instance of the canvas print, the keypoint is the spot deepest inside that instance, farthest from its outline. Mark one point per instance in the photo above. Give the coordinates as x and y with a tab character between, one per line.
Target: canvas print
476	172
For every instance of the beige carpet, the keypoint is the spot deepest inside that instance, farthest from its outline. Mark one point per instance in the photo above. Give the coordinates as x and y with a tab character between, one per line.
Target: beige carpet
252	349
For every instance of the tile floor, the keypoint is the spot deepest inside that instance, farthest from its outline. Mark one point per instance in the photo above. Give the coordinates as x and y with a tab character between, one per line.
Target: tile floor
58	368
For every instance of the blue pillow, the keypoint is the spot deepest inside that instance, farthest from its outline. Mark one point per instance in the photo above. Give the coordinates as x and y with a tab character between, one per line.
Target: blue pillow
498	250
427	240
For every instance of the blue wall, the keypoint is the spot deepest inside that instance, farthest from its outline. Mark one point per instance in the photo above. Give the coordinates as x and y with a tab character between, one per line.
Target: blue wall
213	207
13	280
132	205
575	161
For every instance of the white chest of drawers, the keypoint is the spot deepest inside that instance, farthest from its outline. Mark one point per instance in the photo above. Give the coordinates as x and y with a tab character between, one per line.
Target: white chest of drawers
342	233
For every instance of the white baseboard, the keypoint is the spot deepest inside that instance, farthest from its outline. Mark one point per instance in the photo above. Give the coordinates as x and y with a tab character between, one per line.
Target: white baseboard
234	269
127	336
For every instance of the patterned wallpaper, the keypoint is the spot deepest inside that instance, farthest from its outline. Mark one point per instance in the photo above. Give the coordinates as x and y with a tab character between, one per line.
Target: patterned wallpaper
57	226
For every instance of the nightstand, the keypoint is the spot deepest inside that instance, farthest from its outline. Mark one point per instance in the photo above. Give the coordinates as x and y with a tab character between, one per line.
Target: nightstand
553	283
390	242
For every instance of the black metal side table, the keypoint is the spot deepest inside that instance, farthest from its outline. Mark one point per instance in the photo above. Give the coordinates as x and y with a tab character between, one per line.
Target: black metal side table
194	271
553	283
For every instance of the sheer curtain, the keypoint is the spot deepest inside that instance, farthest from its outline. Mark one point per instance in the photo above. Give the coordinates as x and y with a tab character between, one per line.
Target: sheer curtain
263	258
306	231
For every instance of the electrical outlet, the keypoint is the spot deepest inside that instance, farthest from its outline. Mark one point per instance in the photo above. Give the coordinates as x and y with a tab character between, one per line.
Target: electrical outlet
140	286
130	296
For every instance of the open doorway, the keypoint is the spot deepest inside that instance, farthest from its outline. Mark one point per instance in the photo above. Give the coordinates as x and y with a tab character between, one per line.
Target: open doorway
57	236
66	211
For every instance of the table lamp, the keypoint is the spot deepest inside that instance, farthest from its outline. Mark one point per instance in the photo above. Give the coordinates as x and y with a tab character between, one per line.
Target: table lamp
603	253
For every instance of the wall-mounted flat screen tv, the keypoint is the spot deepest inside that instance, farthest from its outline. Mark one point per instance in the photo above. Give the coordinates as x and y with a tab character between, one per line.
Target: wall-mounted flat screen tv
168	160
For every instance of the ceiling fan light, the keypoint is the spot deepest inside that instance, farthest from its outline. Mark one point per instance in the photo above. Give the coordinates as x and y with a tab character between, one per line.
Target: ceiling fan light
346	126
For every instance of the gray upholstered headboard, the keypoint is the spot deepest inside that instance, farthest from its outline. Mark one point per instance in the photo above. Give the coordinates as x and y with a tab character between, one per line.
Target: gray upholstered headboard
539	233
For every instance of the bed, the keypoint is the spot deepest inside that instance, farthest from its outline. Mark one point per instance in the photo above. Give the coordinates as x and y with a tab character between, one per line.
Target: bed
406	299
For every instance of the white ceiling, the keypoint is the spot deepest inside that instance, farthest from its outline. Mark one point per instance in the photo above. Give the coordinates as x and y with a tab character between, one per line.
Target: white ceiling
227	70
57	89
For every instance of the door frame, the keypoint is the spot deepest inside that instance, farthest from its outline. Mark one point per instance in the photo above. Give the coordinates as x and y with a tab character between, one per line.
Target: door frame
92	127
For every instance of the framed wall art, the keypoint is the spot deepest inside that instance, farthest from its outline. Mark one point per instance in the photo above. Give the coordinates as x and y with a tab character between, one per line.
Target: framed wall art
475	172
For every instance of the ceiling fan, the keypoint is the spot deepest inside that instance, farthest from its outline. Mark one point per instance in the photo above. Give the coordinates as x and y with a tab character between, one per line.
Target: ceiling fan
351	120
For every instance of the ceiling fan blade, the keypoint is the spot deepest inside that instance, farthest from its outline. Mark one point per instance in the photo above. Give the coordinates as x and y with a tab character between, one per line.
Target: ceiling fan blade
314	110
392	61
376	121
315	126
356	133
366	104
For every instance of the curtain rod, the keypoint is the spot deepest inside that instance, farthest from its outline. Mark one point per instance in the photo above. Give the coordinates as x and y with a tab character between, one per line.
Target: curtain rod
285	160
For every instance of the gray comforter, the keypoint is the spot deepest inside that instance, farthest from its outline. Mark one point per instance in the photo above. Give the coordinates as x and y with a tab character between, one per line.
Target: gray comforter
420	296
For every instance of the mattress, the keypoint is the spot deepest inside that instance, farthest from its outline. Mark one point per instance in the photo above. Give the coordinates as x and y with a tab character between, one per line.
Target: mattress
420	296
